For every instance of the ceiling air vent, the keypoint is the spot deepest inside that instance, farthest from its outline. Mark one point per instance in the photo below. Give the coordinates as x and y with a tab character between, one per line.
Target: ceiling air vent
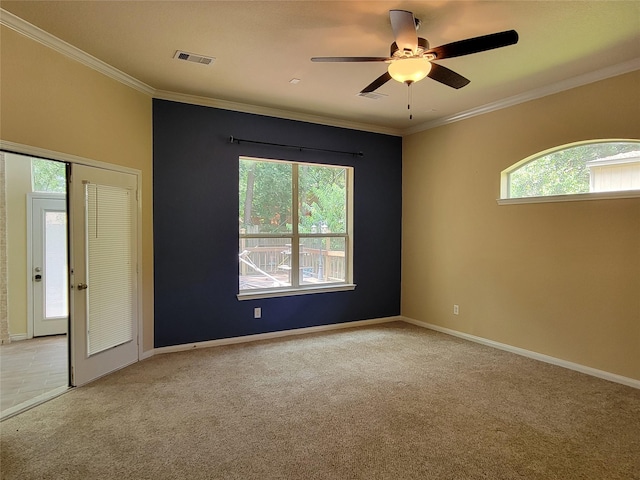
372	95
192	57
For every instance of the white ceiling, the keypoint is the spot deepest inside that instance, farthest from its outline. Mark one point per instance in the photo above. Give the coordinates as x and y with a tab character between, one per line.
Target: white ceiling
260	46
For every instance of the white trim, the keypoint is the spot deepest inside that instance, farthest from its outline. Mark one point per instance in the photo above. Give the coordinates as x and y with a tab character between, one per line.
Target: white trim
573	82
612	161
258	294
30	261
38	152
274	112
147	354
272	335
576	197
17	337
612	377
140	283
631	382
23	27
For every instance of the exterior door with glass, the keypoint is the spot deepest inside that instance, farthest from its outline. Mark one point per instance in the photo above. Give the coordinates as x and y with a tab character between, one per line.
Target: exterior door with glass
49	279
104	300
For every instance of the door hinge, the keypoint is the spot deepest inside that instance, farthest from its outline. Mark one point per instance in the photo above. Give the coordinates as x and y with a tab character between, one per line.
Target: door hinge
73	380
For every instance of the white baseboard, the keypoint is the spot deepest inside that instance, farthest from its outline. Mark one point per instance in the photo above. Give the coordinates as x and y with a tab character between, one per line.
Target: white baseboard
631	382
147	354
269	335
18	336
612	377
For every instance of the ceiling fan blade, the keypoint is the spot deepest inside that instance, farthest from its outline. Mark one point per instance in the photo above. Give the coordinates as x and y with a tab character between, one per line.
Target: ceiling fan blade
448	77
475	44
350	59
404	29
377	83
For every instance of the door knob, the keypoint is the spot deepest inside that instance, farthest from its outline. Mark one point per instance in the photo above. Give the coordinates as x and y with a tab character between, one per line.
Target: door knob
82	286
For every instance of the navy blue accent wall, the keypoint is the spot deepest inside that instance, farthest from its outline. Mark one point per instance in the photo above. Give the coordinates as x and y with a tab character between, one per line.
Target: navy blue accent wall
195	212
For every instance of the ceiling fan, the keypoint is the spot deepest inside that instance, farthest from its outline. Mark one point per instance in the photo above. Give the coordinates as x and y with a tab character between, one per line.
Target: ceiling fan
411	59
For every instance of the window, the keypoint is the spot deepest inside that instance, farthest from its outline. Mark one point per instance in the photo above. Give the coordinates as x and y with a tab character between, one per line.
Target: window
48	176
295	225
584	168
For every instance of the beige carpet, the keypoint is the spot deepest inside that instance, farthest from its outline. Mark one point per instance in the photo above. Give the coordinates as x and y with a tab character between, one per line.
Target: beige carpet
387	402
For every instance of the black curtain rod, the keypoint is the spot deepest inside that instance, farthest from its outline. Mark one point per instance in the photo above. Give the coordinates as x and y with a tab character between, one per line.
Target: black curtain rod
232	139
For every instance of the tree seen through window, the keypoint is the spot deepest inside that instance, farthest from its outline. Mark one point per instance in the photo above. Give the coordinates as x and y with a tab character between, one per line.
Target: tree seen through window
578	169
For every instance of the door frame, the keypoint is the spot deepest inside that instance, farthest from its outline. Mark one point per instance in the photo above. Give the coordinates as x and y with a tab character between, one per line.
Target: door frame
30	198
46	154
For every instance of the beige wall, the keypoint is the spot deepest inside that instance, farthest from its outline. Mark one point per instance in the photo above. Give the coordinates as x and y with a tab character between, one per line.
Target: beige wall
18	172
52	102
561	279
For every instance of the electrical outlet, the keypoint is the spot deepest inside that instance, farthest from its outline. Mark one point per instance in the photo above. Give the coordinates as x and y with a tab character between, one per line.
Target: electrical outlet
456	309
257	312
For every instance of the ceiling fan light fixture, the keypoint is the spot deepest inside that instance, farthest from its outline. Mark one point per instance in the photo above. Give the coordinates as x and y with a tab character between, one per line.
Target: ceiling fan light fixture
409	69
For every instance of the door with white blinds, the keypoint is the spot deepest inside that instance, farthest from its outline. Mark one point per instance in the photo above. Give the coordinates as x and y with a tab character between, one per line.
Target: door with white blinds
103	271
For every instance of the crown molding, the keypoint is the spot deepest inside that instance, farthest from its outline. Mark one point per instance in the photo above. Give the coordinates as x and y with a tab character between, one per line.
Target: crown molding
37	152
31	31
273	112
13	22
580	80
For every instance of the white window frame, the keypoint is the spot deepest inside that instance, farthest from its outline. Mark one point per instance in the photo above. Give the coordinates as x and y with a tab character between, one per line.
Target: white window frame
296	287
505	180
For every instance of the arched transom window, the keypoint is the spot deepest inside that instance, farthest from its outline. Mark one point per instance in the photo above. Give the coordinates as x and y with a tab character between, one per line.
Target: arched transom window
579	168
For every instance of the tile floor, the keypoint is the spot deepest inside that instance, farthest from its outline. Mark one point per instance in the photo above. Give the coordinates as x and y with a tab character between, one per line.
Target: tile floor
30	368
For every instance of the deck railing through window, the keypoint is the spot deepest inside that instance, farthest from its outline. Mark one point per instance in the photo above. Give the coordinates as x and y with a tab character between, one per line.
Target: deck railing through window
317	265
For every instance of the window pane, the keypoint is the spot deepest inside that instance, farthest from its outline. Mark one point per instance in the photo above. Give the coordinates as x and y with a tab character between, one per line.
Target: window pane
267	192
322	199
322	260
48	176
264	263
265	197
56	300
595	167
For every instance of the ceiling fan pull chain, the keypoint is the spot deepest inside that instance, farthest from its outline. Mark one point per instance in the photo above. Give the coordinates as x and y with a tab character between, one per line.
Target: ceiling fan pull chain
409	100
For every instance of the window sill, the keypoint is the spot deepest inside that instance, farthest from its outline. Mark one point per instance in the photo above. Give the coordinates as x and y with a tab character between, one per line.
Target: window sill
254	295
570	198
